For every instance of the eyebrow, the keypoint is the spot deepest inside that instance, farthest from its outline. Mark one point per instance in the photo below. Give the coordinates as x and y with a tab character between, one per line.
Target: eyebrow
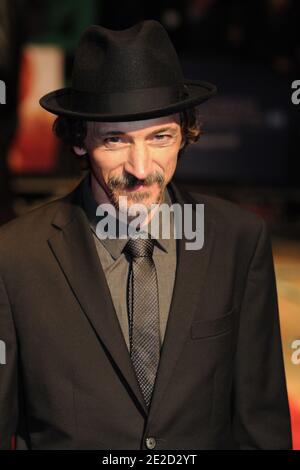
157	131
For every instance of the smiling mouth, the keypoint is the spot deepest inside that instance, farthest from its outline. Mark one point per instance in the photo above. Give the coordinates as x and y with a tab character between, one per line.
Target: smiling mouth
136	187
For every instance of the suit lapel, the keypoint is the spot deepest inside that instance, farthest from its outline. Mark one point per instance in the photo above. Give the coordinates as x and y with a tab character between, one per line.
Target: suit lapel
74	249
187	293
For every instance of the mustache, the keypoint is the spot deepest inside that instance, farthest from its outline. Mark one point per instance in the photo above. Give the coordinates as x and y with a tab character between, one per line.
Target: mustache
129	181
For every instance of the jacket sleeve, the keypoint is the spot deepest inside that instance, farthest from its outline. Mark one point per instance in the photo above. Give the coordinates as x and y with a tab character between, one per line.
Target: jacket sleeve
8	373
261	418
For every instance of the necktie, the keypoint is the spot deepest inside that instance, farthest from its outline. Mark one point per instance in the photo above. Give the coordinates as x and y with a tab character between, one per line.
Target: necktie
143	310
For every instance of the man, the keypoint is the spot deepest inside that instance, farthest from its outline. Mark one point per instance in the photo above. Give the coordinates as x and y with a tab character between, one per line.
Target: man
137	342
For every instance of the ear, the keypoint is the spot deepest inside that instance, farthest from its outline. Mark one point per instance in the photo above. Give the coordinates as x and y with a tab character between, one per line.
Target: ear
79	151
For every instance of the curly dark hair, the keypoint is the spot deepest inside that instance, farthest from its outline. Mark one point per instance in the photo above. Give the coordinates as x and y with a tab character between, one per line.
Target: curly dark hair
73	131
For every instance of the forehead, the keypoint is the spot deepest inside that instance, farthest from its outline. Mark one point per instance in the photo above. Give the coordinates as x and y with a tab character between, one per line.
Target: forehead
146	125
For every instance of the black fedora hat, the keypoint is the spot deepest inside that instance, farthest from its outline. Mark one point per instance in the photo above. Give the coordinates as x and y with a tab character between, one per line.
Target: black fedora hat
125	75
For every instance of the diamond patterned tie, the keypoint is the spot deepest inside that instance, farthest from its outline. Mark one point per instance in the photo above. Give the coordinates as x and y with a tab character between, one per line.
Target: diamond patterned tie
143	311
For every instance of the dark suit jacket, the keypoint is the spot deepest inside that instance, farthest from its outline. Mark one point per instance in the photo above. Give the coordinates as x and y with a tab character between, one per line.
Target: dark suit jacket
68	382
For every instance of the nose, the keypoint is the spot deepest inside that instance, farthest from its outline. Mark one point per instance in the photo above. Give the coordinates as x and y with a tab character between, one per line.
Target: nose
139	161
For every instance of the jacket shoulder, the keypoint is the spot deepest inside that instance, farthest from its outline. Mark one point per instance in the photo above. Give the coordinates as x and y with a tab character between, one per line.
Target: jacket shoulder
228	215
33	227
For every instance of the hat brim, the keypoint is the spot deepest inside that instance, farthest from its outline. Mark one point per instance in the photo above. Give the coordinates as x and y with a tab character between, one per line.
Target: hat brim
59	102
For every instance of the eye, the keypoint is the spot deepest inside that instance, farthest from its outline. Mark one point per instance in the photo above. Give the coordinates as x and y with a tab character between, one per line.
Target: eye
113	139
162	136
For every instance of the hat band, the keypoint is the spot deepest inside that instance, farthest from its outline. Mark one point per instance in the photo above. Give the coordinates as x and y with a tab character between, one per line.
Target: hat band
131	101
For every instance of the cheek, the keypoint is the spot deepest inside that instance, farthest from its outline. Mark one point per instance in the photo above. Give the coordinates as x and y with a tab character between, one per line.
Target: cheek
169	159
101	162
170	170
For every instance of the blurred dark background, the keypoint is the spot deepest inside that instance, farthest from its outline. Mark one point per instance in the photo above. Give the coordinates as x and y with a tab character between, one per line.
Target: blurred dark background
249	152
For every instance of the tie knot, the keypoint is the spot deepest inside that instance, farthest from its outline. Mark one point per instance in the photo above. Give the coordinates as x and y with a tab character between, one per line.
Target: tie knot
139	247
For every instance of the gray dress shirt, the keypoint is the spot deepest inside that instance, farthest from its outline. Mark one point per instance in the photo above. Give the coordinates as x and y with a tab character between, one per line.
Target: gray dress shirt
116	266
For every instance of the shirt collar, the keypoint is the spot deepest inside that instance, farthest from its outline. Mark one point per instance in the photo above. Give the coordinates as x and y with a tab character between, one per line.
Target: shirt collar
115	246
